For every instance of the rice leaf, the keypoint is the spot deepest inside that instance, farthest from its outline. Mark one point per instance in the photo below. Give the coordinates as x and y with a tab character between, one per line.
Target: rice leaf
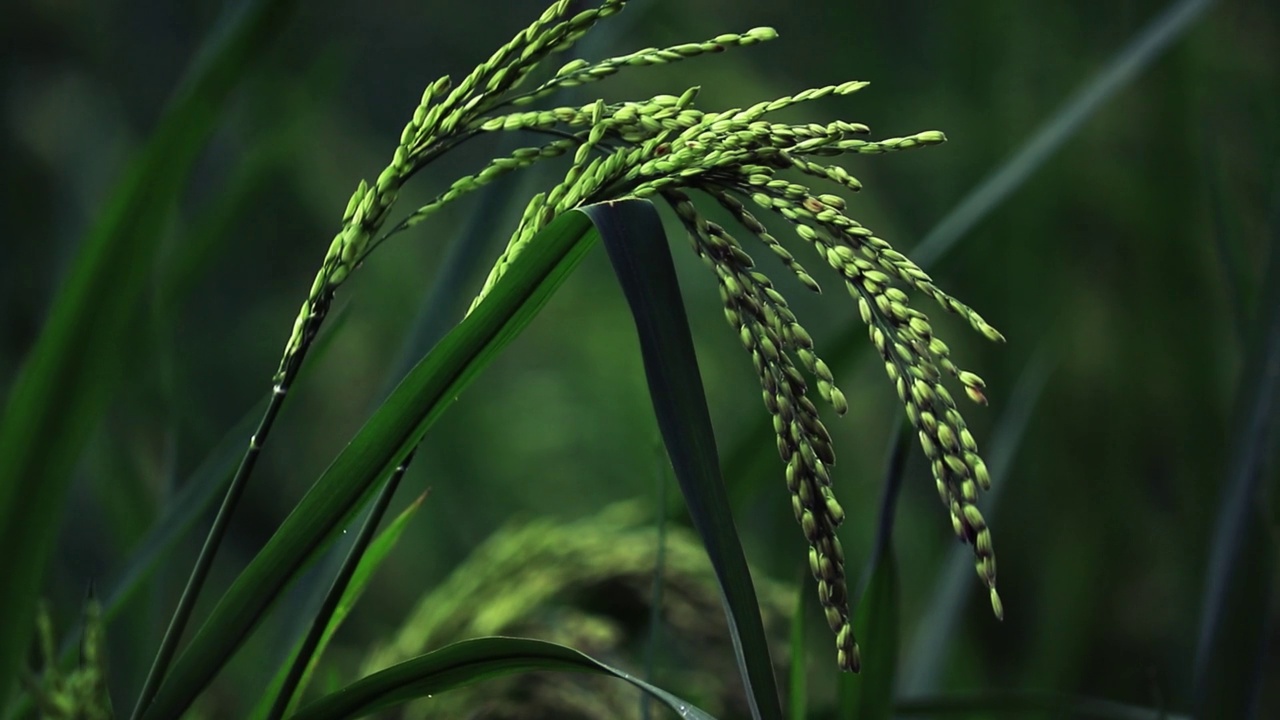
1231	647
466	662
1142	50
370	560
869	695
384	442
637	246
70	373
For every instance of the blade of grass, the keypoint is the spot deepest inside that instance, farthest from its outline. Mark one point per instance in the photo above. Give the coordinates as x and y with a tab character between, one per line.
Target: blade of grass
383	443
798	688
869	694
467	662
641	259
954	587
197	494
1145	47
310	648
1231	646
69	374
1224	215
288	689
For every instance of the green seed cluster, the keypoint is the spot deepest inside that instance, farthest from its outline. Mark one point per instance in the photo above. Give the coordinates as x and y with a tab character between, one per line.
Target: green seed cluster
665	147
440	122
770	334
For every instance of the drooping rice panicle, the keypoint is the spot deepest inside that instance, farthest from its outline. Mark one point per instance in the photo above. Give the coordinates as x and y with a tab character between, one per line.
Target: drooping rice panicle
665	147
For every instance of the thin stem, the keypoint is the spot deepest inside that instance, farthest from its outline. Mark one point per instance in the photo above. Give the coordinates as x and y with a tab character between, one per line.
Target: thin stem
655	608
339	588
200	571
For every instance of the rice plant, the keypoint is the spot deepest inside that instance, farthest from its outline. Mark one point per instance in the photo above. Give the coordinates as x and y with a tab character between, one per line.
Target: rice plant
722	175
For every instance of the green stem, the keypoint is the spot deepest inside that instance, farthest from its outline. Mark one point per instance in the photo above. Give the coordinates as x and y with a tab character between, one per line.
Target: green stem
339	588
200	571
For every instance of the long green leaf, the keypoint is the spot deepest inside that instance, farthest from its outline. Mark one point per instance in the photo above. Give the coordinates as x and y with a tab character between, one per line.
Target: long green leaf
1143	49
1239	590
641	259
869	694
70	374
798	689
384	441
198	493
467	662
370	561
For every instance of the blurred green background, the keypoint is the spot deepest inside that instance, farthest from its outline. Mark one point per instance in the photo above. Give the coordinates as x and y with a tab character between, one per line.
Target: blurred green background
1131	263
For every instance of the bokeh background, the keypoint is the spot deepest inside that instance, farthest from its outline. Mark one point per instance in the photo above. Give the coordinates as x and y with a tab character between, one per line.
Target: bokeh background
1126	270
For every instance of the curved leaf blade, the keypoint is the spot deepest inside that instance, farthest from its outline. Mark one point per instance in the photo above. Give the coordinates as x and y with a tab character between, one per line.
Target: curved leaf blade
370	561
467	662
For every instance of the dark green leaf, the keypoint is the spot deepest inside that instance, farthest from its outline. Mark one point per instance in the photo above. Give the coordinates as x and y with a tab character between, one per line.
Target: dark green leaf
370	561
869	694
467	662
1238	591
638	249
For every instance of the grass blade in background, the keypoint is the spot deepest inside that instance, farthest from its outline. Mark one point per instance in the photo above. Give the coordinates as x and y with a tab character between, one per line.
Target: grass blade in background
869	695
68	376
467	662
335	605
655	606
1238	590
1138	53
1011	174
927	657
384	441
798	688
370	560
198	493
641	259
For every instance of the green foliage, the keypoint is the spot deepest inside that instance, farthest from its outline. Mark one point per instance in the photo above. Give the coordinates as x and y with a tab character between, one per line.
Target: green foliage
70	373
